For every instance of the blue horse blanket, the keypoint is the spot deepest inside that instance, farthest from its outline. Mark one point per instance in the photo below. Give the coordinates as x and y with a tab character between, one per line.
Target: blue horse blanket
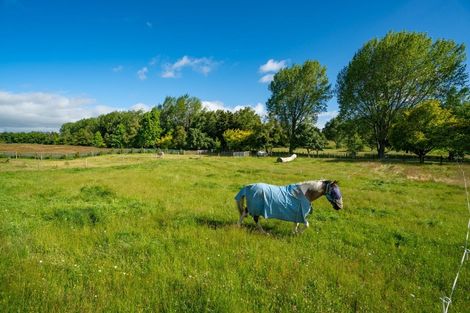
286	203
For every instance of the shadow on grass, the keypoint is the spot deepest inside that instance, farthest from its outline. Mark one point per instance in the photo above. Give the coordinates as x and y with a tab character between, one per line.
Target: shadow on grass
212	222
248	225
403	161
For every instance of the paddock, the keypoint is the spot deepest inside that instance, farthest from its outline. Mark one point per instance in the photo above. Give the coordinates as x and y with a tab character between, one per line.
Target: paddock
160	234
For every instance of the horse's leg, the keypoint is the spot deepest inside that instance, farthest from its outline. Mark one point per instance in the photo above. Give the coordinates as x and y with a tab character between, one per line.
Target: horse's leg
256	218
296	228
242	216
306	225
242	210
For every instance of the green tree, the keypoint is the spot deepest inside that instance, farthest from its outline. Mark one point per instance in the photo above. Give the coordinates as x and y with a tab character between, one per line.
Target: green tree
120	128
460	143
98	140
246	119
183	111
149	130
116	139
83	137
310	138
299	93
458	132
238	139
198	140
165	141
215	123
332	130
66	134
397	72
354	143
179	138
422	128
270	135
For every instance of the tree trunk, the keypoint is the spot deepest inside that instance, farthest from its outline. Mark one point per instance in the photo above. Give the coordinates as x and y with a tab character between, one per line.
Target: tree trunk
451	156
292	137
381	149
421	157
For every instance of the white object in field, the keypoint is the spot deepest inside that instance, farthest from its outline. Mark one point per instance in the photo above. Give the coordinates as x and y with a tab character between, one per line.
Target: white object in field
287	159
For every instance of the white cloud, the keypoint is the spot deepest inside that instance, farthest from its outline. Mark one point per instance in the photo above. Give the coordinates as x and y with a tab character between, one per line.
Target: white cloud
325	117
259	108
266	78
141	107
201	65
272	66
149	25
169	74
118	69
142	73
44	111
214	105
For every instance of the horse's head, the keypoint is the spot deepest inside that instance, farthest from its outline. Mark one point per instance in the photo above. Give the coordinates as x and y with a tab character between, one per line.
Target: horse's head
333	194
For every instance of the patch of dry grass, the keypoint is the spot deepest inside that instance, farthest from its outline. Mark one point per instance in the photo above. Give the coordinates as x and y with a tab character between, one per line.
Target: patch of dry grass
37	148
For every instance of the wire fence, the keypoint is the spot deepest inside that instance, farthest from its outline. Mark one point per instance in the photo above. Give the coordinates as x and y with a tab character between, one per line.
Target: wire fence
322	154
447	300
78	154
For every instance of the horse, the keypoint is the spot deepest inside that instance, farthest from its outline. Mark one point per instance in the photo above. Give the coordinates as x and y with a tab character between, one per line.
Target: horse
291	203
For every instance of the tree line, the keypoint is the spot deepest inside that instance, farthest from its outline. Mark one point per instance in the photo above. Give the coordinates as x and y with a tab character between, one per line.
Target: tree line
177	123
404	92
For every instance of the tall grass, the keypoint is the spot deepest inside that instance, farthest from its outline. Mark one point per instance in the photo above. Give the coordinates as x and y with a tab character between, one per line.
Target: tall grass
142	234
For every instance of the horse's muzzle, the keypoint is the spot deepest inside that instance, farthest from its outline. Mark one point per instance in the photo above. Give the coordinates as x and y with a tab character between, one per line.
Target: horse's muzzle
337	205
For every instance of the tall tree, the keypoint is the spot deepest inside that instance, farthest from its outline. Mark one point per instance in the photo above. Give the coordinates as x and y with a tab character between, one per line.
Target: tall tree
458	132
179	138
397	72
246	119
98	140
299	93
182	111
331	131
149	130
215	123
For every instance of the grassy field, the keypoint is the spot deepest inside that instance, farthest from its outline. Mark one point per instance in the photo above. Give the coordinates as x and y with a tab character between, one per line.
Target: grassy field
132	233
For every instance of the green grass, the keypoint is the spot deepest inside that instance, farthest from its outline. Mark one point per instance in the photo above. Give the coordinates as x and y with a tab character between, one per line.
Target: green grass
137	233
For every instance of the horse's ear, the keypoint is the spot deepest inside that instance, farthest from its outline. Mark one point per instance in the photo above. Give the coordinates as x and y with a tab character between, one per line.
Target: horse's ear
335	182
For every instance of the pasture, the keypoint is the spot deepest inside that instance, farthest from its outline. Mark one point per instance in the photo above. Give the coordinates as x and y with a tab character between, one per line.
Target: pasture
134	233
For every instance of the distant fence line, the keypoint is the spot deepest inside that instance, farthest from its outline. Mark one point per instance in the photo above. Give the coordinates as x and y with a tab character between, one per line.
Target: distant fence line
323	154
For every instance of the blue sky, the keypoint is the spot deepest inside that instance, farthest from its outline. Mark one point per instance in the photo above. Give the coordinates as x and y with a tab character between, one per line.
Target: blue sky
65	60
